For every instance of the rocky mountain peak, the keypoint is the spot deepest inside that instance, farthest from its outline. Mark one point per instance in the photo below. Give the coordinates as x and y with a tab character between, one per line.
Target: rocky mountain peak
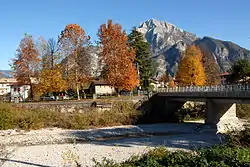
153	23
168	42
163	35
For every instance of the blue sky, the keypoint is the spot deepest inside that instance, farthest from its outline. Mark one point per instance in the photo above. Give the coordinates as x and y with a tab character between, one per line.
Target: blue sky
223	19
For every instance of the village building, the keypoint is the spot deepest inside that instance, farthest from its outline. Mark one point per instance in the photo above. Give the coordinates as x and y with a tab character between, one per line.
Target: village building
19	92
5	85
100	87
223	77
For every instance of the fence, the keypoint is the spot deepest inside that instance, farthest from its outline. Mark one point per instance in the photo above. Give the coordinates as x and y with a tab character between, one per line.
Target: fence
217	88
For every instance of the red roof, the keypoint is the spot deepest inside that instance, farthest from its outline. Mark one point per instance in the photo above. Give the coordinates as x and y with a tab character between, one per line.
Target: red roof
100	82
225	74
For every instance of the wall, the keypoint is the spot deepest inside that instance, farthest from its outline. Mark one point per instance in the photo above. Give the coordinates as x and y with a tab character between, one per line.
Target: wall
69	107
104	89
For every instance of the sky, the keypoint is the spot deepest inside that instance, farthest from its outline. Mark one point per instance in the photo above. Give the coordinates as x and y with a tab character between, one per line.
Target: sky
223	19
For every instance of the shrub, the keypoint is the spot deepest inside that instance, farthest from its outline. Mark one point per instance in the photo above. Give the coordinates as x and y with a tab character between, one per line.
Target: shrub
243	111
191	111
239	138
220	156
6	119
122	113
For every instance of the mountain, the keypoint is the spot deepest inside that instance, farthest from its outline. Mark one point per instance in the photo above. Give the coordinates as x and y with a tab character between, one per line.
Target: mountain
5	74
225	52
168	42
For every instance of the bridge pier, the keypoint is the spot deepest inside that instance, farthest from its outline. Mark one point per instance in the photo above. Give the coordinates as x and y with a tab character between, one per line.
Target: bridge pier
221	115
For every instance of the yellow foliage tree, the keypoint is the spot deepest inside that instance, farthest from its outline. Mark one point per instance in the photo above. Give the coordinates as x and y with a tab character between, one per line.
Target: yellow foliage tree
51	81
190	70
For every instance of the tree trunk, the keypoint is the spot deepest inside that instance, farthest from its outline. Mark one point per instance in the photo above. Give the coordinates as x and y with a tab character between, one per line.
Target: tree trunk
76	78
118	92
84	94
31	92
77	91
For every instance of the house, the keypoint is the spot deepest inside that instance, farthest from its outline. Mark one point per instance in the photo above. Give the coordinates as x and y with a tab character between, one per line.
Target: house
101	87
155	84
223	77
19	92
5	85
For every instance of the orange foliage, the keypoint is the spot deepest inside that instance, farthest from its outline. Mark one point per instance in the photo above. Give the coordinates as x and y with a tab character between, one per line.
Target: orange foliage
118	57
72	40
171	83
190	69
27	61
73	34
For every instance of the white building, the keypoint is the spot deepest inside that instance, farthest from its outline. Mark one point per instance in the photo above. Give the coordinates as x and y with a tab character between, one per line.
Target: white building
5	85
18	92
101	88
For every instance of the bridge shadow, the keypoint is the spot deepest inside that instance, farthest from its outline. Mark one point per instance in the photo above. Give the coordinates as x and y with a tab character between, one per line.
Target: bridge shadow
23	162
183	136
158	109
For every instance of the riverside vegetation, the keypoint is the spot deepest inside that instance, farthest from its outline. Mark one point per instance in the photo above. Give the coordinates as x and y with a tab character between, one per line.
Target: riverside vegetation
20	118
236	152
121	113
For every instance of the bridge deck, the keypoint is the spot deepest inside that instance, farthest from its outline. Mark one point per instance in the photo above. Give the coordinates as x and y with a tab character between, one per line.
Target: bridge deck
241	92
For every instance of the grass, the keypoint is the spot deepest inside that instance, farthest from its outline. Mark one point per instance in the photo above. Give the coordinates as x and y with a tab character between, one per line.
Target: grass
13	116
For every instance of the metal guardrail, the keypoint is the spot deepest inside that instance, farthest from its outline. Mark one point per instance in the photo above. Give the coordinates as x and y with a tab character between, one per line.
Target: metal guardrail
217	88
222	91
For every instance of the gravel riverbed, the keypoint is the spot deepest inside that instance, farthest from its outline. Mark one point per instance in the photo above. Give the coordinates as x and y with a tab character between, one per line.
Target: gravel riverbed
48	147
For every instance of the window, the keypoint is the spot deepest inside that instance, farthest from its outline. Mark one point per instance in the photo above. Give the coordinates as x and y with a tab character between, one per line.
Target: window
18	89
14	89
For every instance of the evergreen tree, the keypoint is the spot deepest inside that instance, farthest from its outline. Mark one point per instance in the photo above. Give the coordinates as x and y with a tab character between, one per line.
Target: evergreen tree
145	64
239	72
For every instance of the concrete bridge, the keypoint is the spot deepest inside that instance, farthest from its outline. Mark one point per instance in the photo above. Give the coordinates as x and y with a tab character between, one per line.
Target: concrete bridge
220	101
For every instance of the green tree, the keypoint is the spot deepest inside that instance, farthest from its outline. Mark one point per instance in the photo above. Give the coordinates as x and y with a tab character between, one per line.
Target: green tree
145	64
239	72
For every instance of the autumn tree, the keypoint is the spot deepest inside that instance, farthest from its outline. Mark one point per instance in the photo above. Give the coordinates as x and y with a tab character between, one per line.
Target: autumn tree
71	41
190	70
50	56
51	81
143	60
118	57
51	77
26	63
211	68
171	83
165	78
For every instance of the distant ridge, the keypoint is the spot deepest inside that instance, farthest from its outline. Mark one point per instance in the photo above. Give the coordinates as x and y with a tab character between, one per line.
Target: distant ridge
167	42
6	74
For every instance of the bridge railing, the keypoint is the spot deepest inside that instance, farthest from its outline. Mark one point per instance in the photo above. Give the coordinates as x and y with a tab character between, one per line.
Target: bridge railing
217	88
